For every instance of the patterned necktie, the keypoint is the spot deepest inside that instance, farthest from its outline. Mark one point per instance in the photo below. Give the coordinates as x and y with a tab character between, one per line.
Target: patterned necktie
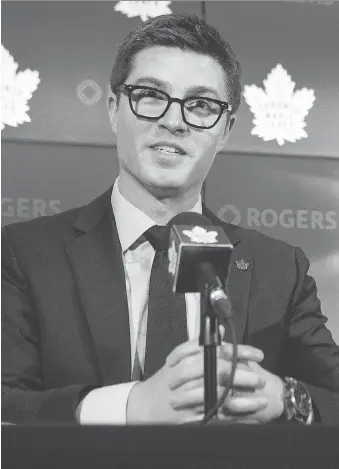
167	321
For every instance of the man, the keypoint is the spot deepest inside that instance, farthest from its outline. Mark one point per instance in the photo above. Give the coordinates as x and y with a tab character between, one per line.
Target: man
81	340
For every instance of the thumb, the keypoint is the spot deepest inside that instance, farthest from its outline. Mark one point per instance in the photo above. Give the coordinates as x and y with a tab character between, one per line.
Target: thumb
222	332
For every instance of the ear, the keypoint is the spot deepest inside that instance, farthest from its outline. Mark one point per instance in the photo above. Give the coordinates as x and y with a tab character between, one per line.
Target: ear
112	108
228	129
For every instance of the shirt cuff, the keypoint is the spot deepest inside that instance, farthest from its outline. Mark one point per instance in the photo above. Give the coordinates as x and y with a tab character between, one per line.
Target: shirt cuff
106	405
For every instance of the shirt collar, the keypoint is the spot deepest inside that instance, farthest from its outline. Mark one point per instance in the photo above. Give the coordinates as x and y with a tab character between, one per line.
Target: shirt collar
128	216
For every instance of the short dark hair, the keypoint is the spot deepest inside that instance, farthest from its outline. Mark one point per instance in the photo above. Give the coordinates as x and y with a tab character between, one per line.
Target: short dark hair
184	31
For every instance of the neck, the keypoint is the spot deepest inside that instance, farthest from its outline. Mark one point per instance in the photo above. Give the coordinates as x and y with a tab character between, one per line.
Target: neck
160	205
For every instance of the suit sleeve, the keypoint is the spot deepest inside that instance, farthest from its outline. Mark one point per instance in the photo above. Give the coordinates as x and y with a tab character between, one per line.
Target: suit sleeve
24	399
310	353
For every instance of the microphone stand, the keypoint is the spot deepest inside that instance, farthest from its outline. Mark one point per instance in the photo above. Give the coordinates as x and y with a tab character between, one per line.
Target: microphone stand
210	339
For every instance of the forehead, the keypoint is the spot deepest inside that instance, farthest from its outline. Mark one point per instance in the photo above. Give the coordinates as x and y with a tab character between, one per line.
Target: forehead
180	70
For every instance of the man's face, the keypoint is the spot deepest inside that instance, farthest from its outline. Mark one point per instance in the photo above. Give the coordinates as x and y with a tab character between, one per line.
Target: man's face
176	72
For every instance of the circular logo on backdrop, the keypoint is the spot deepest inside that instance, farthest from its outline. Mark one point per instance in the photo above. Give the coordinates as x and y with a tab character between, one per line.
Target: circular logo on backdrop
89	92
230	214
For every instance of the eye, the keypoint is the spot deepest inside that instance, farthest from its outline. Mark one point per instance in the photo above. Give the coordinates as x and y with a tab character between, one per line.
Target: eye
141	93
199	103
202	105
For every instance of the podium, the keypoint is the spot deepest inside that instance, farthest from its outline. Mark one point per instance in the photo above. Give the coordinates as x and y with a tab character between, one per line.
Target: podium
219	446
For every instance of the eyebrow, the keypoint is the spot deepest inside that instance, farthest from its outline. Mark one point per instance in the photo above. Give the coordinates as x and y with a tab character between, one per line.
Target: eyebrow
162	84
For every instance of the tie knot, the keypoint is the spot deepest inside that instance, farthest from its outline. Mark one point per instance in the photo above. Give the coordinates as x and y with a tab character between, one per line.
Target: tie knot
158	236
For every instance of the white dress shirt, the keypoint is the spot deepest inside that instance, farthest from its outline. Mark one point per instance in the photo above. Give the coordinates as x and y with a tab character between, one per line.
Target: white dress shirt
107	405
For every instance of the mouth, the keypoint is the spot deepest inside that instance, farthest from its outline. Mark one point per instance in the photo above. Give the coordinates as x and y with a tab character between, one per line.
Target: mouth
168	149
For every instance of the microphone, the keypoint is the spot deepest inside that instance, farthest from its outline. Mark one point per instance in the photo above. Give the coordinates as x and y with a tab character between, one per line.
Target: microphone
199	254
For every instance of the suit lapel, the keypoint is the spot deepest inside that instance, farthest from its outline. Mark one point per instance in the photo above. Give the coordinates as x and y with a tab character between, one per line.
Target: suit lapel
239	277
96	262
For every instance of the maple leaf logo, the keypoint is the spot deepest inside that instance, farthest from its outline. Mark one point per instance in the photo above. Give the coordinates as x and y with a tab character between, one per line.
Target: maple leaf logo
172	258
16	90
145	9
279	111
200	235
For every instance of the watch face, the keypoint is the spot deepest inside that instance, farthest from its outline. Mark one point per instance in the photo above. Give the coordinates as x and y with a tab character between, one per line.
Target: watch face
302	400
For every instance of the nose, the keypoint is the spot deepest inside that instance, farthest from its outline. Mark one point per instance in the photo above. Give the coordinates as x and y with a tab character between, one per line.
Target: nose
173	119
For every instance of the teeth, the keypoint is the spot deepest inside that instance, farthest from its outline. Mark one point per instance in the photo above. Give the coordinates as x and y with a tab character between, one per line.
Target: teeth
167	149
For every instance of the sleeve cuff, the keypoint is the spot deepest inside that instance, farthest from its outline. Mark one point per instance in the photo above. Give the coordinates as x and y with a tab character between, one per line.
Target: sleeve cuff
106	405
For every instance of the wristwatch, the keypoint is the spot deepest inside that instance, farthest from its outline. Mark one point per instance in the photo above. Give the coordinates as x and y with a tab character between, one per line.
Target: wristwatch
297	402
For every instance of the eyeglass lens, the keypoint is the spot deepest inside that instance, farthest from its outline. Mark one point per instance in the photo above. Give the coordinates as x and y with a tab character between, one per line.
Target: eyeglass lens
198	111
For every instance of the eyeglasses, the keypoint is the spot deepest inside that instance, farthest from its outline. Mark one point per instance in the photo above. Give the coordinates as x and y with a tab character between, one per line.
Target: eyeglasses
151	103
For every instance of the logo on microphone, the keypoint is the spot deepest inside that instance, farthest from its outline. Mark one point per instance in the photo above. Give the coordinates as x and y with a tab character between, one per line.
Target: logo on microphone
201	236
172	258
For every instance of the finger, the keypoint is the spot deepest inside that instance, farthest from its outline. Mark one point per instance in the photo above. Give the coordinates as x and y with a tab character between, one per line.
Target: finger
245	352
190	368
248	381
241	365
242	392
246	421
244	378
195	418
192	398
237	405
254	366
186	349
192	384
242	420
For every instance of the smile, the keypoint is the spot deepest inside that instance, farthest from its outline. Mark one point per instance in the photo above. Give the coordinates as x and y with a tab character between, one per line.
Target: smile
167	159
168	150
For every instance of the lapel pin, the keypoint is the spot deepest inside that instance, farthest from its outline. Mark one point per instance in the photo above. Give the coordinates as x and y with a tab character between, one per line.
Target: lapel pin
242	264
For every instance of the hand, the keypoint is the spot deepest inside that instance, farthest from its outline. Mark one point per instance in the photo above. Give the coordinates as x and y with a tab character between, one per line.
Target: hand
193	380
175	394
150	401
241	403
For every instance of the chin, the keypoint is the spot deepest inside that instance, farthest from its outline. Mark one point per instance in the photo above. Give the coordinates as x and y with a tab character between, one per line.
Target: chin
166	188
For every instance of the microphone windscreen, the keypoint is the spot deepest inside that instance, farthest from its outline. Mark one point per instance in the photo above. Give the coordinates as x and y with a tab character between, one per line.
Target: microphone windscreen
194	240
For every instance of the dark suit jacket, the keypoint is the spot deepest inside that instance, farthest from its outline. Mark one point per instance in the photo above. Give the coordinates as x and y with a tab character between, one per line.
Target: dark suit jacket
66	325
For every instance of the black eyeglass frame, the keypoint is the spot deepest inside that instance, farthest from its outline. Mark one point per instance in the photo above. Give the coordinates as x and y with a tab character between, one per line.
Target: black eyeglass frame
129	88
